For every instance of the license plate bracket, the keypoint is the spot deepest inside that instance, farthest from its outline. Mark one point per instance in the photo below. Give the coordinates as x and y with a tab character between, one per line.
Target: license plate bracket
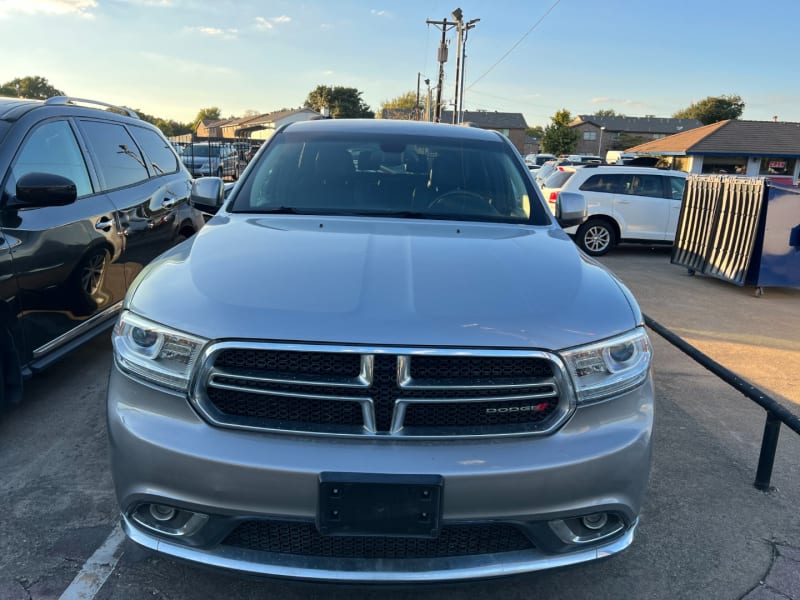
359	504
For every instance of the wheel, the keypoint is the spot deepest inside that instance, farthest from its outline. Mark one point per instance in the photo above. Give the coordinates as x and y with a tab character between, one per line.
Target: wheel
596	237
92	271
462	202
87	281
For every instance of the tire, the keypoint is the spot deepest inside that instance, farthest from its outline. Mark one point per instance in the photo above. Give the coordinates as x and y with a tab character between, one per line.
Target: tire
596	237
92	272
87	281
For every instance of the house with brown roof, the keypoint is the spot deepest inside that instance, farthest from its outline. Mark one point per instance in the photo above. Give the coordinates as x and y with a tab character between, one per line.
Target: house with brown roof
597	134
259	127
753	148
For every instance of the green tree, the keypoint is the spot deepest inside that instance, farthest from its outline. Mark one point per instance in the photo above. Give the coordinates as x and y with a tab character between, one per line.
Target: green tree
559	137
212	113
403	102
626	140
713	109
30	87
342	102
607	112
536	131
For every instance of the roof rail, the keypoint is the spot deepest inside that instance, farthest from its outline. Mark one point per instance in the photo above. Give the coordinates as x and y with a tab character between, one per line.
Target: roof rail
70	100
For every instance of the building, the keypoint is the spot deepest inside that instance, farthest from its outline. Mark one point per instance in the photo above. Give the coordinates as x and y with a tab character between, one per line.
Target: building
260	127
753	148
598	134
511	125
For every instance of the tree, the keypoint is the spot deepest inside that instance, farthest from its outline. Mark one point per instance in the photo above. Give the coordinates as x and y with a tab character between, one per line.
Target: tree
342	102
403	102
536	131
212	113
607	112
713	109
30	87
626	140
559	137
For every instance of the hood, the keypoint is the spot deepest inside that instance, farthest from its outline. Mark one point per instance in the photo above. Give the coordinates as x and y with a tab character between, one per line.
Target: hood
383	282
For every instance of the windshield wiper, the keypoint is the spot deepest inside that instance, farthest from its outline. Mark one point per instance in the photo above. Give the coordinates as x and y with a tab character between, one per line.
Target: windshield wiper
279	210
400	214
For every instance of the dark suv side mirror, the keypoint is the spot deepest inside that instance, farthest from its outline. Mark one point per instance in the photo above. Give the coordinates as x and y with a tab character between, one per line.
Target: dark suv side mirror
571	209
45	189
208	194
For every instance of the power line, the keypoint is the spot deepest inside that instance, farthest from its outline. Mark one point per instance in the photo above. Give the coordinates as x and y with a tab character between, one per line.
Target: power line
518	42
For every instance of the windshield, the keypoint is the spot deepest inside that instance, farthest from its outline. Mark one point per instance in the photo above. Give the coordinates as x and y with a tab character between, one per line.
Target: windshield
201	150
391	175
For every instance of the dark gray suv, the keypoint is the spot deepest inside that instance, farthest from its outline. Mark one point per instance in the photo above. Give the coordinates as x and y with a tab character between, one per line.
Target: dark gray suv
89	196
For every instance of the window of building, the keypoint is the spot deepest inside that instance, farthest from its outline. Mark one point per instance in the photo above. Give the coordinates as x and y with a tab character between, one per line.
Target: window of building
590	135
777	166
724	165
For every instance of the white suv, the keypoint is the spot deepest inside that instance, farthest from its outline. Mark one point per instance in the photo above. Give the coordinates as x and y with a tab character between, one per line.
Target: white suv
626	204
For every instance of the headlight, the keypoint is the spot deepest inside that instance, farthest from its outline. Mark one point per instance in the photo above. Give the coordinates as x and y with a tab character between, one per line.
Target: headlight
155	353
610	367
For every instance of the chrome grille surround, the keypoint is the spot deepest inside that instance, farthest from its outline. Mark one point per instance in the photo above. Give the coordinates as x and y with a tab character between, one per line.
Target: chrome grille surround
550	385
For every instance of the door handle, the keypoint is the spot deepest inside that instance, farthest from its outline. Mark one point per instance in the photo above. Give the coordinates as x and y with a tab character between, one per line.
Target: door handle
104	224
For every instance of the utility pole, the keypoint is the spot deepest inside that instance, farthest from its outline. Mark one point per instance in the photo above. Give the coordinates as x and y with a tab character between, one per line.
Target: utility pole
427	100
445	26
416	106
466	27
458	15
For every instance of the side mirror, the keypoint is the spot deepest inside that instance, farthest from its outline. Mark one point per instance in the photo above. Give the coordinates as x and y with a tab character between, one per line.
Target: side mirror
45	189
208	194
571	209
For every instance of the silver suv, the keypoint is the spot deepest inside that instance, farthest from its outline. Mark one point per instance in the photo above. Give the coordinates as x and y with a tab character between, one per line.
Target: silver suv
626	204
352	373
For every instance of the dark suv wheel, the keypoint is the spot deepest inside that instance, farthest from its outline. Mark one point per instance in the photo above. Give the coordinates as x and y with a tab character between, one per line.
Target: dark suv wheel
596	237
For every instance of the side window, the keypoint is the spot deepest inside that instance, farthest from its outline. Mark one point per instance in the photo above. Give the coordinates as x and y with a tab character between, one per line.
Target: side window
676	187
52	148
647	185
598	183
611	183
119	161
158	151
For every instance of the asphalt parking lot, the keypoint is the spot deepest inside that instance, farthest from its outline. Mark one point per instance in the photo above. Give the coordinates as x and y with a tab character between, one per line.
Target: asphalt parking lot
705	531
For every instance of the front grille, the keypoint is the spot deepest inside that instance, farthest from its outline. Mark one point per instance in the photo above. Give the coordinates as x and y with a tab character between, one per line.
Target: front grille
356	393
303	539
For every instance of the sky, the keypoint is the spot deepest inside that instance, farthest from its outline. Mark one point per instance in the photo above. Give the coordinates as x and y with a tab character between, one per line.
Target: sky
171	58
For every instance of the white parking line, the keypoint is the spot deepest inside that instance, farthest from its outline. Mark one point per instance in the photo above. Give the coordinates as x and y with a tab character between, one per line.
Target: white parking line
96	570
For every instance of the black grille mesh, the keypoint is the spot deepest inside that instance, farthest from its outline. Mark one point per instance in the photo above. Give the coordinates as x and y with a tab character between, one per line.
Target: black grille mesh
303	539
266	408
289	362
466	414
478	367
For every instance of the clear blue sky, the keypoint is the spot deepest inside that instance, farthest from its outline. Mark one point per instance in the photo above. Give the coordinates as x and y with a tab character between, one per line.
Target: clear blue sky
171	58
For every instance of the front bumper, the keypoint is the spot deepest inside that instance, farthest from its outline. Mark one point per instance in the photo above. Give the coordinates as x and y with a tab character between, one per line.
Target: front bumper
162	452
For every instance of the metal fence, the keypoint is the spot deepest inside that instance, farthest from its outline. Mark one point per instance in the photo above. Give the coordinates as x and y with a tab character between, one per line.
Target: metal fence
777	414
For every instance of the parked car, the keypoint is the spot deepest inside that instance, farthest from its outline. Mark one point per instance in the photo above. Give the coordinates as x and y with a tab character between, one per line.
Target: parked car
205	159
534	161
89	197
384	394
626	204
542	173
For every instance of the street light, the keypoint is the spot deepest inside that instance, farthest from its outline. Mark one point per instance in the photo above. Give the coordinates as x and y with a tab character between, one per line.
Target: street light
600	145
